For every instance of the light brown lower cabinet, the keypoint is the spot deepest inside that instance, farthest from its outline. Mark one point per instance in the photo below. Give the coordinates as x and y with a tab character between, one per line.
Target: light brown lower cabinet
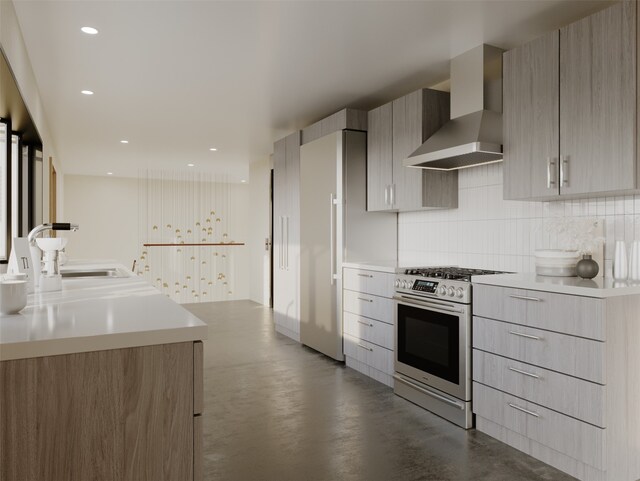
122	414
556	376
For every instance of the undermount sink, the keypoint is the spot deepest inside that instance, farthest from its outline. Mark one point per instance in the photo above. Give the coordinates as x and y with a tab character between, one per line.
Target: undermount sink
105	272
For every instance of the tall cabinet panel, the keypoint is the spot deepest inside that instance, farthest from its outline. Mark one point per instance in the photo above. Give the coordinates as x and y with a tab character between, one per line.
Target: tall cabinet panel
531	117
279	202
286	236
380	154
597	95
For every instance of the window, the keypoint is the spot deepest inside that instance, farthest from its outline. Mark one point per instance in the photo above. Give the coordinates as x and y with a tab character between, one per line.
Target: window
21	160
4	191
15	186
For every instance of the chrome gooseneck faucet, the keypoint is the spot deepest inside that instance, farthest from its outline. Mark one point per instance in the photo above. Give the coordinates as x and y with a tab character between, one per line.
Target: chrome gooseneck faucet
55	226
46	268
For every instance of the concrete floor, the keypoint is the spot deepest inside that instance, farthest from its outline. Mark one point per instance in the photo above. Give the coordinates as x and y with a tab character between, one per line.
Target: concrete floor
275	410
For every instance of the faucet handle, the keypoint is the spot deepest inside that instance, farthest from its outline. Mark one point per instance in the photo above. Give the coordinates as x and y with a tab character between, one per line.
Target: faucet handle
64	226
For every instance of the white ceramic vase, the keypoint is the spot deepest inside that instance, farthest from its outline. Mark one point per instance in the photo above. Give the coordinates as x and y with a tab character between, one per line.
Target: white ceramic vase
634	262
620	262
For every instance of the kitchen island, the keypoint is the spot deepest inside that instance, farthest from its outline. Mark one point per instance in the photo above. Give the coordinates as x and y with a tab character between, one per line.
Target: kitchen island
102	380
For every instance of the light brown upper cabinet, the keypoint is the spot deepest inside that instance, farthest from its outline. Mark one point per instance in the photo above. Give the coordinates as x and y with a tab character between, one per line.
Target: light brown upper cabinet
379	157
570	109
395	130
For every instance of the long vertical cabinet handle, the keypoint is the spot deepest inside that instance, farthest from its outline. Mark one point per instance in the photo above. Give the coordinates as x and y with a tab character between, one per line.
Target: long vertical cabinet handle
386	195
564	178
286	245
281	263
393	194
551	162
332	251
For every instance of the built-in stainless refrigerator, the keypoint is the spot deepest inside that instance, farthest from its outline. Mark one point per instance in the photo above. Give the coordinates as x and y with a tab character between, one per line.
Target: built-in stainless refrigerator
335	228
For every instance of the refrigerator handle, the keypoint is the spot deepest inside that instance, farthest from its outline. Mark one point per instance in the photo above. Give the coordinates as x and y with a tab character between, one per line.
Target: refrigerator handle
332	252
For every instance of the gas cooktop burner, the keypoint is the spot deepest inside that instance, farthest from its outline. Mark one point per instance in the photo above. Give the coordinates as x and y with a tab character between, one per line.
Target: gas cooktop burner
451	273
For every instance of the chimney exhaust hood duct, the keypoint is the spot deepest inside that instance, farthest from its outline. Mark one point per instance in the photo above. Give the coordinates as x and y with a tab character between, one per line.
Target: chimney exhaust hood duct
473	136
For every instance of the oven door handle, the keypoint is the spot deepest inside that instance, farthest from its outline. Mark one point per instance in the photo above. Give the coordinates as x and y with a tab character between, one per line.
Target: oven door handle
428	392
431	305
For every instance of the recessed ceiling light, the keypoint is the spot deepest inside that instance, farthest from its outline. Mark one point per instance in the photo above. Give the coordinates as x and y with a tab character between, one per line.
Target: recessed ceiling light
243	181
213	149
87	92
109	173
190	165
124	141
89	30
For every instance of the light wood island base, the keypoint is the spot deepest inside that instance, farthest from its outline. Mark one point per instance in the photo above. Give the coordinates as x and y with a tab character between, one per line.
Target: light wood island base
122	414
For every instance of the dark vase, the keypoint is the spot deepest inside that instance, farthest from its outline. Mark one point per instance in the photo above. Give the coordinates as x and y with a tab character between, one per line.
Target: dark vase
587	268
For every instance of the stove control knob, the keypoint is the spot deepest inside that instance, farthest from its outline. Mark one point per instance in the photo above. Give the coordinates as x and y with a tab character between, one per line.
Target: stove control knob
459	292
442	290
397	282
406	284
451	291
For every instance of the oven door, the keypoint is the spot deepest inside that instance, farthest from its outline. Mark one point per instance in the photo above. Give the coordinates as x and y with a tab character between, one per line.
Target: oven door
432	341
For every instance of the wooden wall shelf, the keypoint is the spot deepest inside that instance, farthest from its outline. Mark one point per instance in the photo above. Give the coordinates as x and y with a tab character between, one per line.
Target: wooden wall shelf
225	244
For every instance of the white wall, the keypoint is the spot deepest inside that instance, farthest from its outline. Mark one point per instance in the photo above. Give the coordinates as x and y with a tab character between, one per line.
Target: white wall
14	48
106	209
260	201
489	232
113	215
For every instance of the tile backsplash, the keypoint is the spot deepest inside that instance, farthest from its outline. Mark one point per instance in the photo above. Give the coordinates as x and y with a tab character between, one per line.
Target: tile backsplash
489	232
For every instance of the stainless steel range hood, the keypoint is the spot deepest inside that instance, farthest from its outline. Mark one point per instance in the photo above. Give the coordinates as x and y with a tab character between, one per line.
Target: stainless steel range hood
473	136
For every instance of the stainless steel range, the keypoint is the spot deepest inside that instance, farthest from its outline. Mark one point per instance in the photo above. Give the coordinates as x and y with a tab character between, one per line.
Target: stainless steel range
433	340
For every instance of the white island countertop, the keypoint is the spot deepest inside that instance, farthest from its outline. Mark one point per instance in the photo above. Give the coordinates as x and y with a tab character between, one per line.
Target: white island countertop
599	287
95	315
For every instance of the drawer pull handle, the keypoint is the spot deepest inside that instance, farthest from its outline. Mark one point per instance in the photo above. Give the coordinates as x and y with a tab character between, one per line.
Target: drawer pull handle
365	347
429	392
364	299
525	373
526	298
528	336
531	413
365	323
365	275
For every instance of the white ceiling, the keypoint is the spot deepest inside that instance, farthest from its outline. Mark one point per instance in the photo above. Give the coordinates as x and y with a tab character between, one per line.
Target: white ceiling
178	77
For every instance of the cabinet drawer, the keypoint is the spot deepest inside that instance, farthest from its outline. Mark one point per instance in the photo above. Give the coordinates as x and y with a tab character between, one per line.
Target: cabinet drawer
198	377
569	436
375	307
574	397
368	282
369	354
370	330
575	356
576	315
198	449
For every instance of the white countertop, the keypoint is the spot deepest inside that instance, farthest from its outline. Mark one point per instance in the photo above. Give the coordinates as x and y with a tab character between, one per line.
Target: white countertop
598	287
93	315
378	266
